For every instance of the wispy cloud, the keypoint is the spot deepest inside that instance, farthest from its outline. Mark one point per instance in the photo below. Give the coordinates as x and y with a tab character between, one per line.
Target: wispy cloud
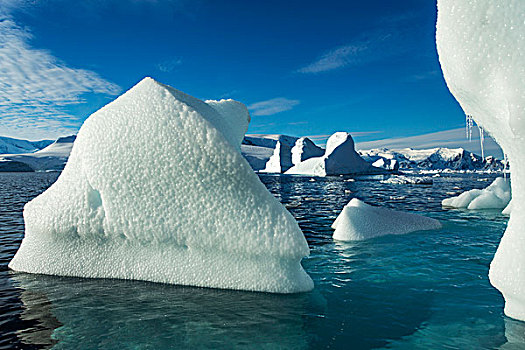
169	65
36	86
336	58
273	106
423	76
374	45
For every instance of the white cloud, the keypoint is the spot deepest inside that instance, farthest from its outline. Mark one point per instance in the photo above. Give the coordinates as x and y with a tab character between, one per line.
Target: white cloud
390	37
36	86
273	106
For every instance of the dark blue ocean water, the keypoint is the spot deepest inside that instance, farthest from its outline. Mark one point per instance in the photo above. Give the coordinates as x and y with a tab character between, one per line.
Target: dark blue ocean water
425	290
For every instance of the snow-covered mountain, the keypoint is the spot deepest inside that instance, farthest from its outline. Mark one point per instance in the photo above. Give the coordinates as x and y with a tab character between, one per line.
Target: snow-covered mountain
9	145
51	158
432	159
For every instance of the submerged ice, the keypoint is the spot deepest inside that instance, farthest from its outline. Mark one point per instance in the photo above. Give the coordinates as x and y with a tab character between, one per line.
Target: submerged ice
156	189
481	46
358	221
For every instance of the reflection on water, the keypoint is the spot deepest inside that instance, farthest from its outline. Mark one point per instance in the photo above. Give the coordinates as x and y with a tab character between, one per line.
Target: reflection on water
111	314
425	290
37	309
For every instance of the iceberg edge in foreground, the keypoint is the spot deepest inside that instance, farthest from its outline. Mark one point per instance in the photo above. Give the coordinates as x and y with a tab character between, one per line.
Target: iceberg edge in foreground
481	45
156	189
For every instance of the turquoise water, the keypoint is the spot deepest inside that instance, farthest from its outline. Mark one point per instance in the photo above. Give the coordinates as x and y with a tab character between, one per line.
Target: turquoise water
424	290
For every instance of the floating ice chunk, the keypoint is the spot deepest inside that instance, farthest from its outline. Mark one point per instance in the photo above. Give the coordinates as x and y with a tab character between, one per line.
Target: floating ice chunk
340	158
481	47
359	221
156	189
495	196
388	164
401	179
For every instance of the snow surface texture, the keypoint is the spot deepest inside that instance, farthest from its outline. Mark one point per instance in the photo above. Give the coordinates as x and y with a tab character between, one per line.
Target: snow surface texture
340	158
53	157
495	196
481	46
155	189
359	221
403	180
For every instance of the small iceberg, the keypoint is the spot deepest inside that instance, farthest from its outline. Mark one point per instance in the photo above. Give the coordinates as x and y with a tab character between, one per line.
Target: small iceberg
156	189
495	196
359	221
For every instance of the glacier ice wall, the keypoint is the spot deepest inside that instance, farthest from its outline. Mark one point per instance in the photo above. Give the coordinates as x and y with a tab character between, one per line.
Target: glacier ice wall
481	46
156	189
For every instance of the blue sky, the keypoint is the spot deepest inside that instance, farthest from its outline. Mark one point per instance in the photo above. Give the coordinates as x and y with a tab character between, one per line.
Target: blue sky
303	68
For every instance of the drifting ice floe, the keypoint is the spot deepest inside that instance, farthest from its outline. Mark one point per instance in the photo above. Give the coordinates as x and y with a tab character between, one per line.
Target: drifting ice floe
156	189
359	221
495	196
401	180
340	158
481	47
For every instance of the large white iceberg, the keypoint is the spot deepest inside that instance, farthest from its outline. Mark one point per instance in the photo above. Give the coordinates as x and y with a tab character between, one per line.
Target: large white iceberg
495	196
259	148
156	189
340	158
287	154
281	159
481	46
359	221
304	149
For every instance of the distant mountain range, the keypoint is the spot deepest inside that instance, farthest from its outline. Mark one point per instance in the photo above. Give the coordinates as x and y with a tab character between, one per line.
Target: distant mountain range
439	158
12	146
48	156
265	153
